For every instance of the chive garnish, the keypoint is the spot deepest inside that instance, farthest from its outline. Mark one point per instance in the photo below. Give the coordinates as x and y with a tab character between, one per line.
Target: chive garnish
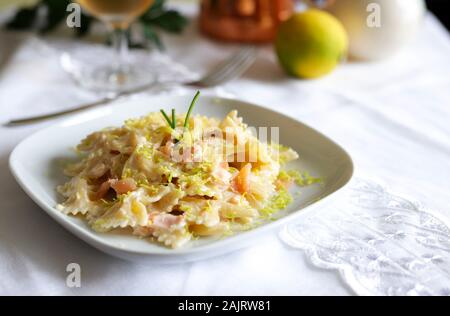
172	122
186	120
166	117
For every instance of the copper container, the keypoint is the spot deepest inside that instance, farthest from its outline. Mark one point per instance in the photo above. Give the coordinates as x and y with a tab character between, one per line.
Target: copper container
253	21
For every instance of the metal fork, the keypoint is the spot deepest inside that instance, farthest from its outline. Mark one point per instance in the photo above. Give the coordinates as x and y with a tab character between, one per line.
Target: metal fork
229	69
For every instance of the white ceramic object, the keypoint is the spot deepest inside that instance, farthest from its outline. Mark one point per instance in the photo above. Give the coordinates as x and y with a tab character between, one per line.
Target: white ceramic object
399	21
35	163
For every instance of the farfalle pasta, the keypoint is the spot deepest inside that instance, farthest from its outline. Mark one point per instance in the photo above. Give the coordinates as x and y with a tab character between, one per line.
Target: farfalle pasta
174	183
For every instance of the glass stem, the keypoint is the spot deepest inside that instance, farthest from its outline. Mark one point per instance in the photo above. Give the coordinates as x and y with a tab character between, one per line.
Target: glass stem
120	45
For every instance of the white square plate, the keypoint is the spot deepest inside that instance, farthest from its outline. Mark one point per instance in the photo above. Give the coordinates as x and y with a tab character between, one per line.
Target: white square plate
35	163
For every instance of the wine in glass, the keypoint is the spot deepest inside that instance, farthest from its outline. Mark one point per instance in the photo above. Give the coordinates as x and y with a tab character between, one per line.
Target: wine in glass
117	72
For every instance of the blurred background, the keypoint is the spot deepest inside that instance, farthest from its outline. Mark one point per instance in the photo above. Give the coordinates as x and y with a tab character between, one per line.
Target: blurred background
104	47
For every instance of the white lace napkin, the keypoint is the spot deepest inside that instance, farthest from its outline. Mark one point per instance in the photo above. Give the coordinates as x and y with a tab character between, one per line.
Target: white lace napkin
380	243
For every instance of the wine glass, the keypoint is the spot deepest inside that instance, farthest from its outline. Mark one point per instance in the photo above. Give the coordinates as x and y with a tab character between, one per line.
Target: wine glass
116	72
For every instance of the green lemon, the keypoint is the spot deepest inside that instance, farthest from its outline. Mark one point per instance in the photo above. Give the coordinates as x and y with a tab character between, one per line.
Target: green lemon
311	44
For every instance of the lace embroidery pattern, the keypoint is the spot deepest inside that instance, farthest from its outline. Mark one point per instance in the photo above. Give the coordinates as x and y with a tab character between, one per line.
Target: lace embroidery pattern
380	243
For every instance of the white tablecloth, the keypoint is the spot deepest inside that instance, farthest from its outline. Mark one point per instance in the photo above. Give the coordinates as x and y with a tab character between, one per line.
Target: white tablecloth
393	117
